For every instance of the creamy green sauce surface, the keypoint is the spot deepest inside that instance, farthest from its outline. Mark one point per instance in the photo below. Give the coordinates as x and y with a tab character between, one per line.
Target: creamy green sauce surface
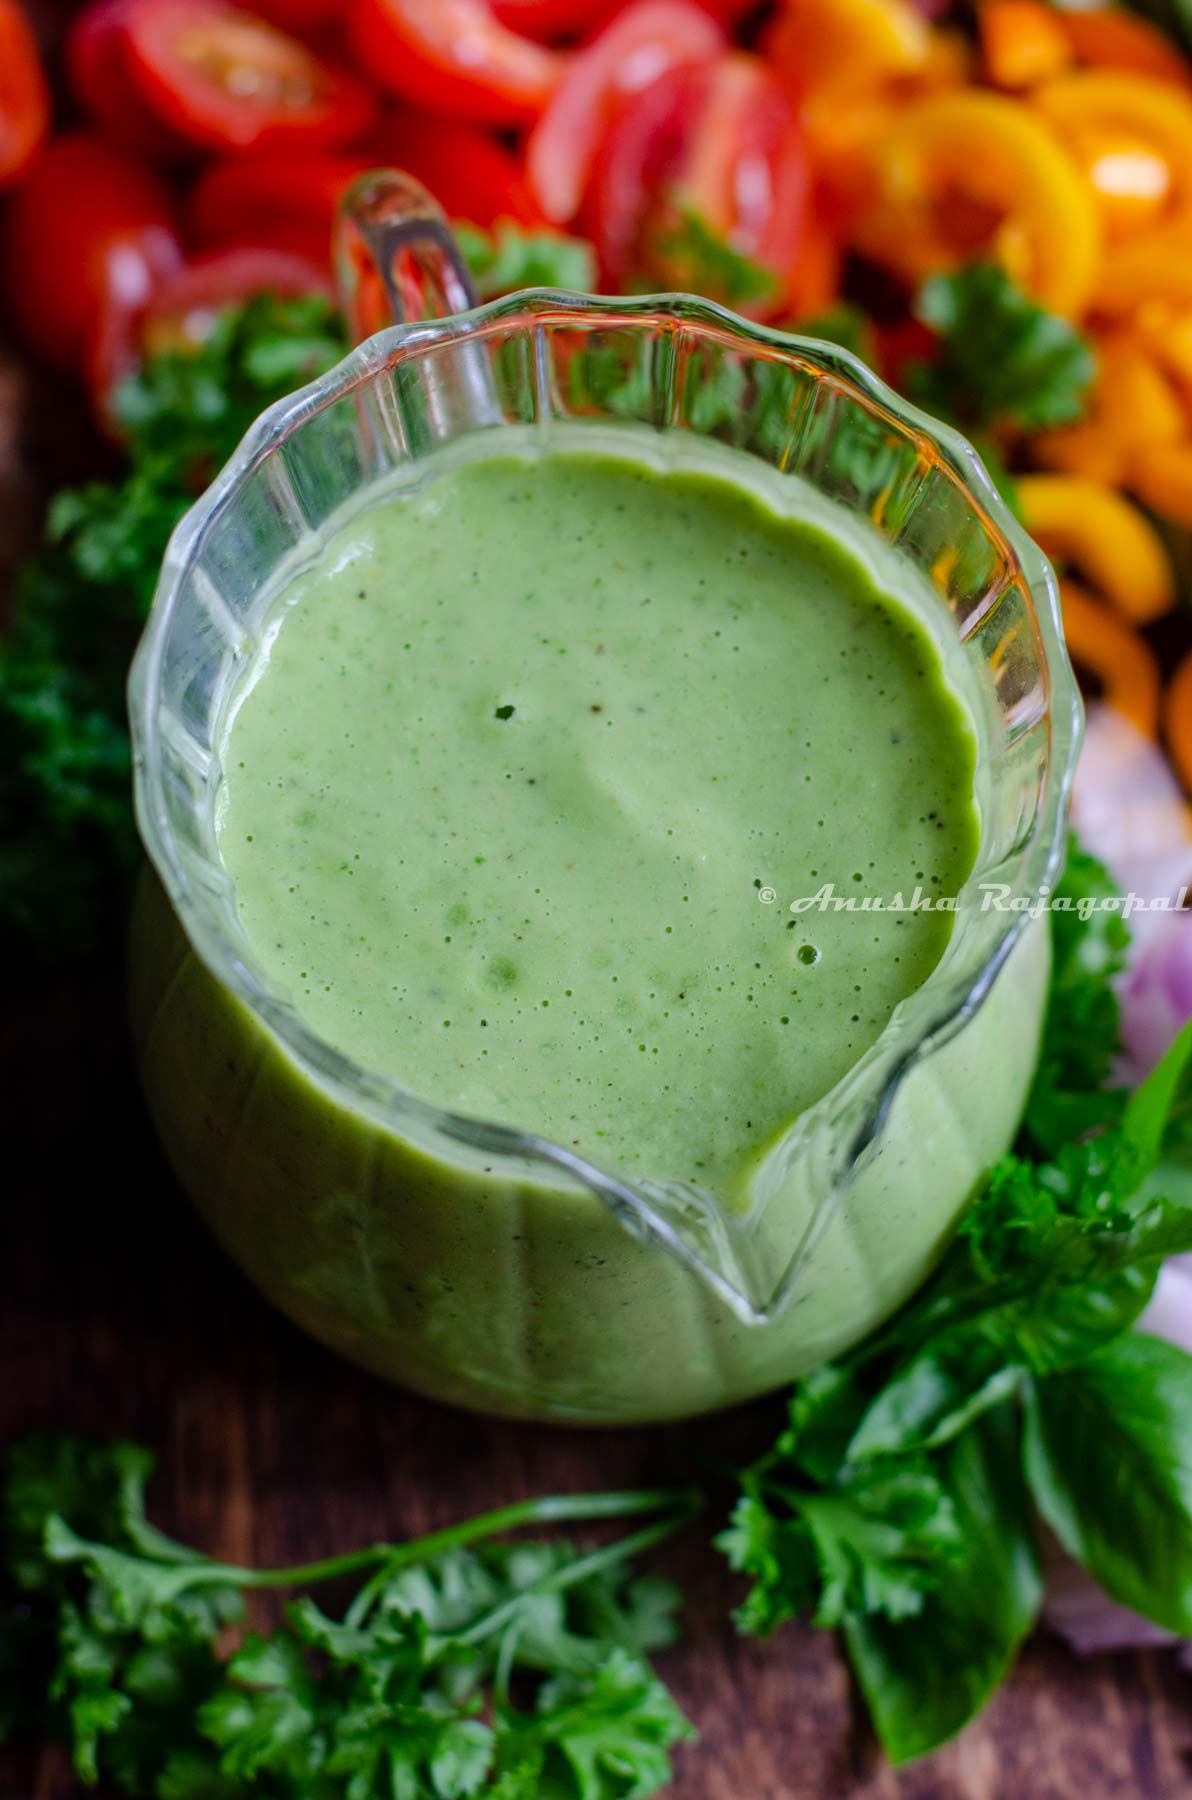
523	750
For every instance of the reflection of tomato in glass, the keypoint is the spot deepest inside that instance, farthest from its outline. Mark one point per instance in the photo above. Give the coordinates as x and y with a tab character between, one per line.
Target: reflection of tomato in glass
225	80
24	97
703	183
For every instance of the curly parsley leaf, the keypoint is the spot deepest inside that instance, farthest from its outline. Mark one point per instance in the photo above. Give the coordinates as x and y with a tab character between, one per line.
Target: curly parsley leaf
1080	1035
463	1666
67	840
1002	359
688	254
510	257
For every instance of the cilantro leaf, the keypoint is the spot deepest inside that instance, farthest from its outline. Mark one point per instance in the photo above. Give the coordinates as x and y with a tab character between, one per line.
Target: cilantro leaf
1002	359
894	1501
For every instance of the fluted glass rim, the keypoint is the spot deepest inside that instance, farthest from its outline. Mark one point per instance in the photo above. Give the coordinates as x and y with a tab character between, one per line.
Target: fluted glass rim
923	1014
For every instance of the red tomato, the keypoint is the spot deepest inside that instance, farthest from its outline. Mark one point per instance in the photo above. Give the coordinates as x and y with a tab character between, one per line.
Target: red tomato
177	315
228	81
745	170
470	173
567	18
454	56
649	37
300	16
644	144
97	64
721	144
553	18
900	343
24	96
181	305
814	283
284	202
87	226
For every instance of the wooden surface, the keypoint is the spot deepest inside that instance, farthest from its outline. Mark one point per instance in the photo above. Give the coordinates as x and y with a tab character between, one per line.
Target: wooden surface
118	1316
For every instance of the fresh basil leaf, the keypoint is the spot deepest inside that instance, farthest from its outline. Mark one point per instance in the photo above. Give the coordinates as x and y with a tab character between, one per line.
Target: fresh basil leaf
1108	1454
939	1394
1159	1109
925	1677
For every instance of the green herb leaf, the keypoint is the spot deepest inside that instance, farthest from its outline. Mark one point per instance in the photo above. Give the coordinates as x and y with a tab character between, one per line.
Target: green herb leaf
698	260
67	840
1080	1036
925	1677
614	1730
511	257
409	1695
1109	1459
844	324
1002	360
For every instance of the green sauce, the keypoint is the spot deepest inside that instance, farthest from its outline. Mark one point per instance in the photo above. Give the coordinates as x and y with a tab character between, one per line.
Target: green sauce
525	751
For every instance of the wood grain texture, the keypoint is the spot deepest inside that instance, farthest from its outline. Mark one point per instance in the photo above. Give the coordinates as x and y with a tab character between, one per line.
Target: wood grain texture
117	1315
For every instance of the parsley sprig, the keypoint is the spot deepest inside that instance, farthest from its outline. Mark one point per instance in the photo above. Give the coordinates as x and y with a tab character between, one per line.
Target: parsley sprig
67	841
467	1663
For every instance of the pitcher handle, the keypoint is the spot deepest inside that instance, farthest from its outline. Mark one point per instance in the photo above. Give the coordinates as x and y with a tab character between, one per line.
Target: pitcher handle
396	261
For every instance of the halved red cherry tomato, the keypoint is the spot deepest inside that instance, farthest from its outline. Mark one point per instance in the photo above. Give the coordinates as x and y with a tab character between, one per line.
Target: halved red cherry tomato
567	18
649	37
24	96
454	56
553	18
288	202
229	81
97	65
282	202
181	306
644	143
86	225
178	314
300	16
470	173
716	150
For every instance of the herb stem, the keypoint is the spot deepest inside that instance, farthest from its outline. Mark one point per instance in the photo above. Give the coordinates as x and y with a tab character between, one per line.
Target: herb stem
607	1557
550	1509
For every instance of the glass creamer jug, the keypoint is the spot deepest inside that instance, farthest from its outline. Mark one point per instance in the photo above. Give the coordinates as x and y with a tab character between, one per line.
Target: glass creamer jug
458	1256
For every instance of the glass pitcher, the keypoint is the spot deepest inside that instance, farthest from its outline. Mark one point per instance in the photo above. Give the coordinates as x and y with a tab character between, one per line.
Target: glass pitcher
478	1263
